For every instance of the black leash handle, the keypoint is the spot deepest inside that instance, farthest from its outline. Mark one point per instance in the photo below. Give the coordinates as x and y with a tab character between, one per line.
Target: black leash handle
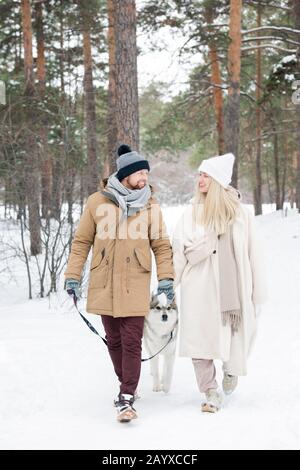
71	292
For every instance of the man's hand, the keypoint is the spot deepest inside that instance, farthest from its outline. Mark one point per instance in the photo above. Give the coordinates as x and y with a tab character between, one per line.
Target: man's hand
165	286
73	288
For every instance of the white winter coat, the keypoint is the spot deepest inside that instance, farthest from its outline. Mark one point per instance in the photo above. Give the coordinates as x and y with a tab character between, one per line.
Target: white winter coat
202	334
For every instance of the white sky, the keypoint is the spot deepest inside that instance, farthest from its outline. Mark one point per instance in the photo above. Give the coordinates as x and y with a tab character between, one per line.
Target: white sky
164	65
161	65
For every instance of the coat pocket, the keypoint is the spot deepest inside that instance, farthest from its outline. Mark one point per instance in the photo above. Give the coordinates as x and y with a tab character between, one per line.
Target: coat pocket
99	272
98	260
144	259
137	279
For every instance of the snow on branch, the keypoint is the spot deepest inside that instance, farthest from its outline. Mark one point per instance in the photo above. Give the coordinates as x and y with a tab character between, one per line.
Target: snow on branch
280	29
272	46
268	38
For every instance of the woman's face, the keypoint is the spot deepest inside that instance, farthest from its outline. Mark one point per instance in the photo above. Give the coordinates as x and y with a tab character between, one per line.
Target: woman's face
204	182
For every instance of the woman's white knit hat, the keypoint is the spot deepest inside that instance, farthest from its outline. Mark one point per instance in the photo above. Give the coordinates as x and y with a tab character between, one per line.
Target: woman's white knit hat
219	168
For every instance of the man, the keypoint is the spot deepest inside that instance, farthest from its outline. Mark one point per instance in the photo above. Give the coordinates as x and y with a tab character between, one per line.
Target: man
122	223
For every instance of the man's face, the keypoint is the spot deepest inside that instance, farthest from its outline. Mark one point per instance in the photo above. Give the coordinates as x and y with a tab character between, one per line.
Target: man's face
137	180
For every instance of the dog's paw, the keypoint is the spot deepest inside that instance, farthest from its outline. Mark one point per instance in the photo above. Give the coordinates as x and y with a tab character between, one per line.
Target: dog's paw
157	388
165	388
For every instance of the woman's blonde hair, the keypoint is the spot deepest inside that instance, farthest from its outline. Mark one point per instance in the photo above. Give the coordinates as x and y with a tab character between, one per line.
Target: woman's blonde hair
216	209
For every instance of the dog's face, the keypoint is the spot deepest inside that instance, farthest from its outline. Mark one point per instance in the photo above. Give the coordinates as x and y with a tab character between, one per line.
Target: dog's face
162	317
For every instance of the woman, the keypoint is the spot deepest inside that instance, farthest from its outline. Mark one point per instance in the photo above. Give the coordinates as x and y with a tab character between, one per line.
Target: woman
218	265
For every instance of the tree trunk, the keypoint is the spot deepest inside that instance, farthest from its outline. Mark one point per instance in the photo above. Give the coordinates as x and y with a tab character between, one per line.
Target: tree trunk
258	178
69	188
293	186
284	170
127	106
285	159
56	197
112	129
41	63
216	82
277	171
269	183
297	26
81	191
218	97
46	163
31	160
61	44
58	160
27	38
90	104
232	113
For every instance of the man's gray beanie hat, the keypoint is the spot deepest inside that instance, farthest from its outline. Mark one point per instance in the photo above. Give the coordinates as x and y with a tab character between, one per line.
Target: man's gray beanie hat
129	162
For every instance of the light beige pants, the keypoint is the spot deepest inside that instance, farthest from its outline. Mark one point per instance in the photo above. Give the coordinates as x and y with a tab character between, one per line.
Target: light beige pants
205	374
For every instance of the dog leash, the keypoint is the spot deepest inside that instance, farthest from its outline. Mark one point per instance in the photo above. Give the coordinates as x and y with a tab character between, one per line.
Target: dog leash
71	292
169	340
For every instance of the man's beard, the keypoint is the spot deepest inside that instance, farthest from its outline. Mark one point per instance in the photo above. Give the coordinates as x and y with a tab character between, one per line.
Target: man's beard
137	186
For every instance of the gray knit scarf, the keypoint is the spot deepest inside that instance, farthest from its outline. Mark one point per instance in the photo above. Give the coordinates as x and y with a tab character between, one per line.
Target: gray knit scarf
129	200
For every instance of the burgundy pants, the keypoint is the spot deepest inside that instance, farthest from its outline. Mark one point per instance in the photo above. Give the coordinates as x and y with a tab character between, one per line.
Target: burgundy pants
124	341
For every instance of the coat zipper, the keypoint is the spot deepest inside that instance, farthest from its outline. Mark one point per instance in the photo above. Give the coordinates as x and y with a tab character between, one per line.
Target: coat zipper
106	272
127	273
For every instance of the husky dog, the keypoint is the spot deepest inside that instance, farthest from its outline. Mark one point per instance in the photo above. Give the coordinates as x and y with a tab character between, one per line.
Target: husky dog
160	333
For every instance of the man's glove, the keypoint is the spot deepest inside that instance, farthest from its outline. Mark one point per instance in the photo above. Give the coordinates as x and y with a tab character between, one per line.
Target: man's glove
165	286
73	287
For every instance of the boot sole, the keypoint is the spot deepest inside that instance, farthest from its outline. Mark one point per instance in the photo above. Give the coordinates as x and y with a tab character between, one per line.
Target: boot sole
126	416
208	408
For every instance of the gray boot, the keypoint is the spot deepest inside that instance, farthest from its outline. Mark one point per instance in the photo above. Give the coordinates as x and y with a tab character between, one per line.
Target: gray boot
229	383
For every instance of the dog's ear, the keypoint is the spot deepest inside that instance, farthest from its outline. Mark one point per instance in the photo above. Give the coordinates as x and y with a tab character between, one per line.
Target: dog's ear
173	304
154	301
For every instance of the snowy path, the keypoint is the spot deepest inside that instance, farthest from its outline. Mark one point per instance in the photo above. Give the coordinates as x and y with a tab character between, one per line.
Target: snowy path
57	384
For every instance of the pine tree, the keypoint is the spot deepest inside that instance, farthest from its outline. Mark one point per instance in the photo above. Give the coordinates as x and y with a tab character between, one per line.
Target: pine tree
31	156
127	106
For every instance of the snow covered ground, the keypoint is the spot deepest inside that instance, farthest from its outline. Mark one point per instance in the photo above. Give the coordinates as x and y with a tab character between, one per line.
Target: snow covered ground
57	384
